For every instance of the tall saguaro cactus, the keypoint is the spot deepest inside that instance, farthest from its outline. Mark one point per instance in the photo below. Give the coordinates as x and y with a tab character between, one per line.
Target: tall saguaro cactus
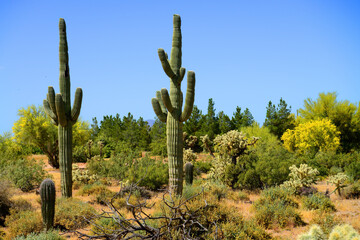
168	108
58	107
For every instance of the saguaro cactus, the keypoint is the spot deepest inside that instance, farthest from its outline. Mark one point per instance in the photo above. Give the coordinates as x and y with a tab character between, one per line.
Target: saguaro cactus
189	173
168	108
48	194
58	107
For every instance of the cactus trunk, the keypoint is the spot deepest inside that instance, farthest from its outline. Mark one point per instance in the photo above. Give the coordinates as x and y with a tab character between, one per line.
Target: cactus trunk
58	107
65	156
48	195
168	107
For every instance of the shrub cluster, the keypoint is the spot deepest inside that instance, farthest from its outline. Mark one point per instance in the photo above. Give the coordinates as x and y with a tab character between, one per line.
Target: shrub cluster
318	201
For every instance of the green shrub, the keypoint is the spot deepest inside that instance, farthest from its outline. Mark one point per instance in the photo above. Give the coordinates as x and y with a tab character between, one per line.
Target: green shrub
104	225
325	220
353	171
100	192
23	223
26	174
50	235
276	208
70	213
318	201
128	167
202	166
352	191
5	202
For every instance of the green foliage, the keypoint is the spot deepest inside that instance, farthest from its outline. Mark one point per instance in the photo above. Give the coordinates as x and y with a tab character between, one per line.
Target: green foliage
5	202
279	119
26	174
302	176
70	213
352	191
49	235
158	138
276	208
318	201
240	120
353	171
127	167
325	220
22	223
202	166
128	131
210	125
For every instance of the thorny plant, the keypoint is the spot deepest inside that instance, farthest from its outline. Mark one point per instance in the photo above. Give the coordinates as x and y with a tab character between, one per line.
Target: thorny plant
177	219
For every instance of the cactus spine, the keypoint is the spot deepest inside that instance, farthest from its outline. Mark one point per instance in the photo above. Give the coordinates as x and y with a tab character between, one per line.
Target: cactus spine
58	107
47	194
168	108
189	173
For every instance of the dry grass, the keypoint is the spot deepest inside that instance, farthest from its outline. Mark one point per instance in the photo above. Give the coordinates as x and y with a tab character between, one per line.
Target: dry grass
347	210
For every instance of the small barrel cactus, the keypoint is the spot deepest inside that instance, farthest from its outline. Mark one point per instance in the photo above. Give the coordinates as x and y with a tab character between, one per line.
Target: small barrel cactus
189	173
47	194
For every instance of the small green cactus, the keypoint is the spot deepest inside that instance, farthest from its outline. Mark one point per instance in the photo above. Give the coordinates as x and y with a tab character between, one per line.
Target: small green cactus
303	176
58	107
339	181
189	173
48	195
168	107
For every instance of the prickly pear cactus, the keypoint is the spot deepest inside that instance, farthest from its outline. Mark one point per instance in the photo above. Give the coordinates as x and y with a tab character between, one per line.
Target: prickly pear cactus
189	173
168	107
58	107
48	195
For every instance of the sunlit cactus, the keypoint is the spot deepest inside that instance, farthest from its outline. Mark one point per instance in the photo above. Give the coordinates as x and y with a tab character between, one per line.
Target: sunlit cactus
58	107
48	195
168	107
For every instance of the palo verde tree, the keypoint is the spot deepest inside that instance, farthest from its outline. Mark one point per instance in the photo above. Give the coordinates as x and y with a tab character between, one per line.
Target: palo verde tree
168	108
58	107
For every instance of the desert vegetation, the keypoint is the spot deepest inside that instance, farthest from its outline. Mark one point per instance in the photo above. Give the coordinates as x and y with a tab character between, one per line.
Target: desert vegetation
190	175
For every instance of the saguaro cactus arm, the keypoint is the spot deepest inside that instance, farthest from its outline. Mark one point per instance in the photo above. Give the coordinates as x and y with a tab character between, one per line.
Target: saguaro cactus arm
159	107
75	112
60	110
190	95
165	63
166	100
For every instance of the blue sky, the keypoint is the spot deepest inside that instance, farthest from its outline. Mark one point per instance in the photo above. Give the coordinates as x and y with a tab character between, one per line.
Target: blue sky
244	53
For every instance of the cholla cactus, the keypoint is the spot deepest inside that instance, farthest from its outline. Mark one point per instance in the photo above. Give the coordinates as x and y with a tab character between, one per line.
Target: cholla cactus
302	176
315	233
232	144
338	180
189	155
344	232
83	175
189	140
340	232
207	144
218	169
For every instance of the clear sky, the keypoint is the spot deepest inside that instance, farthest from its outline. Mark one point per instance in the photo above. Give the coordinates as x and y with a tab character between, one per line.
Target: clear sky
244	53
